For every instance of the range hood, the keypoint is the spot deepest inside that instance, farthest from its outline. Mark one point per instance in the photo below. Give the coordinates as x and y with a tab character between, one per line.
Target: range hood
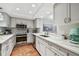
4	18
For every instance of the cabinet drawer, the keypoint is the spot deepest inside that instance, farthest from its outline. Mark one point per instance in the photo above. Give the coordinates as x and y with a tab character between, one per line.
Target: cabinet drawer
71	54
41	40
59	49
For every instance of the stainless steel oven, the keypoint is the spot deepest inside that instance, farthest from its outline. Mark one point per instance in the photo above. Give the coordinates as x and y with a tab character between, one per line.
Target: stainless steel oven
21	32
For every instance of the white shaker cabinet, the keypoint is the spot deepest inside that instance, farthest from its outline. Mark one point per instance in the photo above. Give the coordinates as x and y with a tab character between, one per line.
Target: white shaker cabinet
4	49
60	13
42	49
38	23
75	12
49	52
37	44
13	22
7	46
46	48
40	46
66	11
30	38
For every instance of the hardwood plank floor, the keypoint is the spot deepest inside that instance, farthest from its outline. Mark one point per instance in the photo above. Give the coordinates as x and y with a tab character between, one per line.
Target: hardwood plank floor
24	49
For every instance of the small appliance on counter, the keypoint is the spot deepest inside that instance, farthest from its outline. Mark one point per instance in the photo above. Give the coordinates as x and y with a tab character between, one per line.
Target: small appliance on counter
7	31
74	35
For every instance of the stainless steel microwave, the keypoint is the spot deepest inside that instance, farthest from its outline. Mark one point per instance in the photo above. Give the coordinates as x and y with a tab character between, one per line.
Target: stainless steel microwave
21	26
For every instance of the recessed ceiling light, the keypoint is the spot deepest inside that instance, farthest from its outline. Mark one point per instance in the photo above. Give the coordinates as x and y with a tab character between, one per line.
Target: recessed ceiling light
30	12
48	12
51	16
33	5
41	16
17	8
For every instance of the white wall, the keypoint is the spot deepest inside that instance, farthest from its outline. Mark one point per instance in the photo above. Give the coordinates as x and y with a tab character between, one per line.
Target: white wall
15	21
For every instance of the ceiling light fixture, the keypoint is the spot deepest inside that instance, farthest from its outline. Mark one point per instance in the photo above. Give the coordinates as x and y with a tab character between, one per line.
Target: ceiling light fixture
17	8
33	5
30	12
48	12
51	16
41	16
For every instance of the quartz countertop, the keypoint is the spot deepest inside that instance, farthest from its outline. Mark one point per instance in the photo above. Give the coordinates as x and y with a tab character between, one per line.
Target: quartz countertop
4	38
57	39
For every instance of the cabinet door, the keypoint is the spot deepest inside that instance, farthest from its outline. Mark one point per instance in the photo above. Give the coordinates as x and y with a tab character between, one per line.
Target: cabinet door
13	22
11	43
42	49
5	49
3	52
60	13
39	24
37	44
50	52
75	12
30	38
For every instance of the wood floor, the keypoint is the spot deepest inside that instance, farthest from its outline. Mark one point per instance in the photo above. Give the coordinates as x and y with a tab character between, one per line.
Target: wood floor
24	50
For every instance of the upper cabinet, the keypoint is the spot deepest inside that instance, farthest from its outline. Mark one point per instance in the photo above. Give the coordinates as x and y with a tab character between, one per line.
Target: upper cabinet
4	20
61	12
66	13
75	12
13	22
38	23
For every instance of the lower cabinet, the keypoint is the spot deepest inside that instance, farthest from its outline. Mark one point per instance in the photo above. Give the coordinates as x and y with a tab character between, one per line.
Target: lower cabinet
49	52
30	38
42	49
46	48
4	49
7	47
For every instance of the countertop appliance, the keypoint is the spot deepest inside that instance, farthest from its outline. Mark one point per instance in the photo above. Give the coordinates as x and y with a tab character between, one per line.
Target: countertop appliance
7	31
74	35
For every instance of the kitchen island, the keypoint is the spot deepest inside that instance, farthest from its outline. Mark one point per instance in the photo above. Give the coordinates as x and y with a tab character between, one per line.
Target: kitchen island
7	42
55	45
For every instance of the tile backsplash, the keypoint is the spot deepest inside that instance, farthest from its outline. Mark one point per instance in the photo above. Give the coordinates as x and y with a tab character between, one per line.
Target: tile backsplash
65	29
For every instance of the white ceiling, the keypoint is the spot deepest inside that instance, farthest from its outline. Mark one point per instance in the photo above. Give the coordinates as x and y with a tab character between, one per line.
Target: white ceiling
25	10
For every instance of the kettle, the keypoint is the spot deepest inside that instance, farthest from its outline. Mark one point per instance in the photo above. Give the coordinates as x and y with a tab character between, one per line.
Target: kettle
74	35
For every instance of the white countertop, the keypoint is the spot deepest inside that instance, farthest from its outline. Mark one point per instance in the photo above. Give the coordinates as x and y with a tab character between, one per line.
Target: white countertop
56	39
3	38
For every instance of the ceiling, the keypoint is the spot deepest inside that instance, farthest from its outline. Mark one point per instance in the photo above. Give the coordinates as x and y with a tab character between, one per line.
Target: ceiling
28	10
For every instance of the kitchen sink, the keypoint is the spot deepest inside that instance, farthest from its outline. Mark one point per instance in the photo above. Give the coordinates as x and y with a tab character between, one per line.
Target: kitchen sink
44	35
